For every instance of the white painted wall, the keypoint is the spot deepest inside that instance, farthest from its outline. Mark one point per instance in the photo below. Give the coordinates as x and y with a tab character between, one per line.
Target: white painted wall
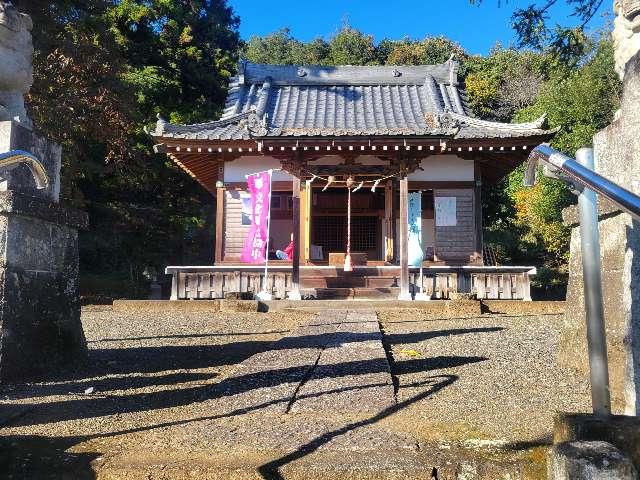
236	170
444	168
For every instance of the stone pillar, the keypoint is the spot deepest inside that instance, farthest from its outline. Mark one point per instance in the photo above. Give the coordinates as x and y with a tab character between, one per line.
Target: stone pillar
39	292
617	152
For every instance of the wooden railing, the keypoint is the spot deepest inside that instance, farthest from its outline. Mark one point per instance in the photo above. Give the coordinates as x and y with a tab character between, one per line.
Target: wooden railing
488	283
512	283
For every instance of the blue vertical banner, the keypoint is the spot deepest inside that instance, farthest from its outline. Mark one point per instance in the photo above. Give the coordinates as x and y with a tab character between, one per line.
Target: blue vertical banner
415	229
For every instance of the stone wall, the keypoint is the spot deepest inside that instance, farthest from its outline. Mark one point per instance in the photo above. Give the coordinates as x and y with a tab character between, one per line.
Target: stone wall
617	152
39	301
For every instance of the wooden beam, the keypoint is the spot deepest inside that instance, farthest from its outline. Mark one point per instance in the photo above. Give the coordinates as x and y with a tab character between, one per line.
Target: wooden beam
404	240
294	294
432	185
220	194
276	186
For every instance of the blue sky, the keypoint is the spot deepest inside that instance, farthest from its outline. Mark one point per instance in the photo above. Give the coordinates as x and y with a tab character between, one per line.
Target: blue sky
476	28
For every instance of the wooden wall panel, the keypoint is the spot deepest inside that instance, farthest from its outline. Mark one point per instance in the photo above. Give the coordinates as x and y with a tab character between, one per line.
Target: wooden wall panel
457	243
234	232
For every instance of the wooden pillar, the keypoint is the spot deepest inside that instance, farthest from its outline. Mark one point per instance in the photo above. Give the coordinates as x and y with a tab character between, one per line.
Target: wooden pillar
305	224
294	294
404	240
388	222
220	194
477	205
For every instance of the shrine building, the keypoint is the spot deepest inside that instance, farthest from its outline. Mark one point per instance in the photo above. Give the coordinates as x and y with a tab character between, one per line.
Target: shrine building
389	130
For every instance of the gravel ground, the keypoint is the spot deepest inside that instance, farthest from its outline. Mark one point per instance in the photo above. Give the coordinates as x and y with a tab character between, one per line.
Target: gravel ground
140	363
501	381
155	388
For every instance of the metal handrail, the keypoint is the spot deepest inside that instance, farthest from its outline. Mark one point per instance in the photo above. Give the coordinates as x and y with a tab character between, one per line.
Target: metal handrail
584	176
579	173
10	160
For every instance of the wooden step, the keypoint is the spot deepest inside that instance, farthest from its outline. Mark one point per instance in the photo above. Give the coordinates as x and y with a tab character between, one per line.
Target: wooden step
349	282
352	293
357	272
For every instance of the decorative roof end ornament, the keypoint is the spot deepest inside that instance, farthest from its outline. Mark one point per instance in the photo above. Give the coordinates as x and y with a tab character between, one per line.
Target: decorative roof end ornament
242	66
259	126
160	125
441	121
301	72
453	69
396	73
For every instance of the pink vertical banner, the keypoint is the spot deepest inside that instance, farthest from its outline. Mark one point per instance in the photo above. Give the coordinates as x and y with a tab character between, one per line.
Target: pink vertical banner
255	245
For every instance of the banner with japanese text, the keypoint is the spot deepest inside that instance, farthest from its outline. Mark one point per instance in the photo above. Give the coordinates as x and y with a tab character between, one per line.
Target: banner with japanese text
255	245
415	229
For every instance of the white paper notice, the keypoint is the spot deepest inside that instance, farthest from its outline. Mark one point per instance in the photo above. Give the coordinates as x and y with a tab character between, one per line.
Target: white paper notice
445	211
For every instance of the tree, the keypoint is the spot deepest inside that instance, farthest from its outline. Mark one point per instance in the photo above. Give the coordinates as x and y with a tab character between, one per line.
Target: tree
281	48
352	47
429	50
180	54
505	81
578	102
531	25
102	70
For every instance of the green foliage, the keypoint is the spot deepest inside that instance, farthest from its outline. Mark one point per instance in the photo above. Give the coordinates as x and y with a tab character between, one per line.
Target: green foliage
348	46
568	44
505	81
352	47
281	48
430	50
104	69
187	49
578	101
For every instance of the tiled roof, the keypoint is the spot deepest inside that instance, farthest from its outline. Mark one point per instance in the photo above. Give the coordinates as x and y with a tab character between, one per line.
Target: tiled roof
314	101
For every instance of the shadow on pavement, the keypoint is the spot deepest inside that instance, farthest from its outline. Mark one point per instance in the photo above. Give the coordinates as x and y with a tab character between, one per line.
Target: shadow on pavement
41	457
